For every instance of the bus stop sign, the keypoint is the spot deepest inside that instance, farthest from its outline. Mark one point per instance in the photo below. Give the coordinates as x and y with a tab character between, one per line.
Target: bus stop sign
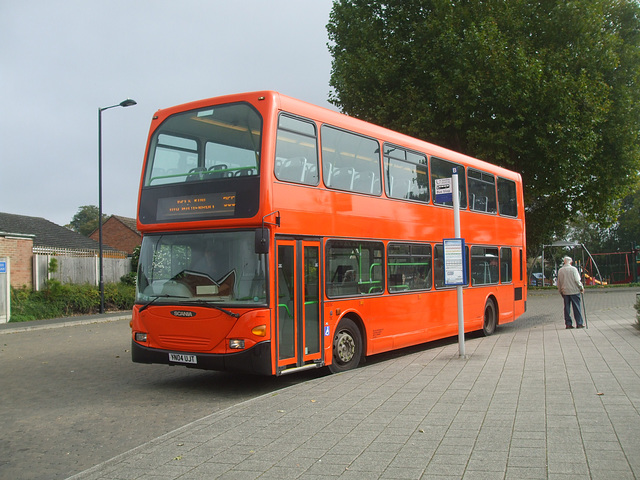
444	191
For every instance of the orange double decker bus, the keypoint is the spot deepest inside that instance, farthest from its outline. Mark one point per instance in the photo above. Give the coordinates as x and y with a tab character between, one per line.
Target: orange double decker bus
280	236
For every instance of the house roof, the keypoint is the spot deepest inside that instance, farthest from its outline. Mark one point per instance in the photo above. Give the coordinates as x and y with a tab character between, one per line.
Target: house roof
45	233
130	223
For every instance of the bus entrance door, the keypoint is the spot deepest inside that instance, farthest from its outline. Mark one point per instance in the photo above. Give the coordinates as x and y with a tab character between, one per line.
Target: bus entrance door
299	339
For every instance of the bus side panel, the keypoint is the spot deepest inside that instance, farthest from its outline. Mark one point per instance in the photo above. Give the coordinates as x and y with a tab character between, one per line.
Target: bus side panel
410	319
506	303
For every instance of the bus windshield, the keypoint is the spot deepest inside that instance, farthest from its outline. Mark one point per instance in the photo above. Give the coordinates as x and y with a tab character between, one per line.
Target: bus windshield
220	267
210	143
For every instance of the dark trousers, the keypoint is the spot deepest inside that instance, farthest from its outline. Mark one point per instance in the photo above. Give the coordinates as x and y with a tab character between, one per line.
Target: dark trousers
569	301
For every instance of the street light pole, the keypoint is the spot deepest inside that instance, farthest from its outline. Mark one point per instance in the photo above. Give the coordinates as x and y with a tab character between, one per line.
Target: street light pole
125	103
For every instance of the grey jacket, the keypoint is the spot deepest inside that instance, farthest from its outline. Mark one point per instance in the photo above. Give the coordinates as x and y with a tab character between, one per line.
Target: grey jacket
569	280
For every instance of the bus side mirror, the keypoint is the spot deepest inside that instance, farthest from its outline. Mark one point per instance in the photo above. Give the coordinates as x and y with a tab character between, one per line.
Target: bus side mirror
262	240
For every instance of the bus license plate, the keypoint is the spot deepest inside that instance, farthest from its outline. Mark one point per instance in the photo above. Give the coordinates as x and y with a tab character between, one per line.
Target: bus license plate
182	358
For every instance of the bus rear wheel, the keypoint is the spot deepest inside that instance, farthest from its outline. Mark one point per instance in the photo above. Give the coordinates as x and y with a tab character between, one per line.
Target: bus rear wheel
347	346
490	318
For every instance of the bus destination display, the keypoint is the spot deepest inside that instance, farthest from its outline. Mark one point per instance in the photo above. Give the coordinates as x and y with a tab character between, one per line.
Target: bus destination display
190	207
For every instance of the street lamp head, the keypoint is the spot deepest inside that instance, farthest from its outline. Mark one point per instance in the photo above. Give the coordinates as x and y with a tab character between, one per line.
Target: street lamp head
128	103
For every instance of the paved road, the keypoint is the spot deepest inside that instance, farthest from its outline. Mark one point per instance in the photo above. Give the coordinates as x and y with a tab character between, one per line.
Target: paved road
70	398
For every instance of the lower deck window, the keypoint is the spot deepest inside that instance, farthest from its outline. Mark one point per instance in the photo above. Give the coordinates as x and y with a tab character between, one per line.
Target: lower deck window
484	265
506	265
409	267
354	268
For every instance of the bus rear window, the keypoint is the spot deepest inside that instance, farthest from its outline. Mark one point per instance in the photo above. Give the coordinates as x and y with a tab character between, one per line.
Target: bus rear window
507	200
206	144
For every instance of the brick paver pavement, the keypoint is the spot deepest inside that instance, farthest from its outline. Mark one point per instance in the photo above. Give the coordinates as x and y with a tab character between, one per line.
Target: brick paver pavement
532	401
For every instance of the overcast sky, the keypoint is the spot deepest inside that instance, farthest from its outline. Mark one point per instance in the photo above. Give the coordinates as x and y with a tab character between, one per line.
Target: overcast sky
60	60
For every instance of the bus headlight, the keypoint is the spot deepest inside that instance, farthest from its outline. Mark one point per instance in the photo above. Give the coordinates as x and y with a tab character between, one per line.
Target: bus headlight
236	344
141	337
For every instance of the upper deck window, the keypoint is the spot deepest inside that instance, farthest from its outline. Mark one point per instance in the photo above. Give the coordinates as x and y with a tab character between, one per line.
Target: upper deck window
296	151
482	191
444	169
207	144
406	174
507	199
350	162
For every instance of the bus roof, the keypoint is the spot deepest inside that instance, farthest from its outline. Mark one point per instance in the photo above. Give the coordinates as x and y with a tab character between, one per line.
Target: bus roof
289	104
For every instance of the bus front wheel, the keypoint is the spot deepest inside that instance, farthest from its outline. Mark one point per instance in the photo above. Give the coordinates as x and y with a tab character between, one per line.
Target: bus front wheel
490	318
347	346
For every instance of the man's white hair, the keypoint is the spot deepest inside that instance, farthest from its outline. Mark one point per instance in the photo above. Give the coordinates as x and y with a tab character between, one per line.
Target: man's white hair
567	260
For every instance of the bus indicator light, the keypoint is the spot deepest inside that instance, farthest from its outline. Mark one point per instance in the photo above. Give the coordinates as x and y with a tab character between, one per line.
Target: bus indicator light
260	331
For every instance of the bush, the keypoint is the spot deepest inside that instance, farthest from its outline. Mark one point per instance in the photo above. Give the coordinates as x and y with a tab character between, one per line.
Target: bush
27	305
119	296
637	306
63	300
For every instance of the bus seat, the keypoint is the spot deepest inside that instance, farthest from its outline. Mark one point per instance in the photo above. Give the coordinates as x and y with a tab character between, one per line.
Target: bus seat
479	203
196	174
342	178
292	169
364	182
218	171
405	189
310	176
175	289
278	166
341	272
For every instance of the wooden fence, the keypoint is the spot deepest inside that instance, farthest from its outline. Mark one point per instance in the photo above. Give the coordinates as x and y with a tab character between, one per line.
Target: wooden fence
79	267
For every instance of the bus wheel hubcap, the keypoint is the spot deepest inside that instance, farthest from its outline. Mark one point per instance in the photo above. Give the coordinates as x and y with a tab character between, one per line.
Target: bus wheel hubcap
345	347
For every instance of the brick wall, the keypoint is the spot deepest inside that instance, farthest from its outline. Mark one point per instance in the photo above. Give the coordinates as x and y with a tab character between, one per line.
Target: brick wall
117	235
19	250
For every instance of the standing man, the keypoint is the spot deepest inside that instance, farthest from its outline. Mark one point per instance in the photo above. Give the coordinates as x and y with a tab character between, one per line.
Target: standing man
570	287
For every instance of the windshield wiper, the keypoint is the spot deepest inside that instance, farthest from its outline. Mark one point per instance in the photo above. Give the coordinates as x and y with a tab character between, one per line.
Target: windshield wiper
204	303
156	297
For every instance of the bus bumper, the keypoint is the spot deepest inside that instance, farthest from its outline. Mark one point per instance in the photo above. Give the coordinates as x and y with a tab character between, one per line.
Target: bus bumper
256	359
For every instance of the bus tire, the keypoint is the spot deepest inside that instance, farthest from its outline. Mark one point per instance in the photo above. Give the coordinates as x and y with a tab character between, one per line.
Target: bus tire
347	346
490	318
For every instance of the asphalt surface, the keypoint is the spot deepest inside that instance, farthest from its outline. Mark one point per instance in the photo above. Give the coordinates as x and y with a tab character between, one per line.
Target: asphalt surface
71	398
532	401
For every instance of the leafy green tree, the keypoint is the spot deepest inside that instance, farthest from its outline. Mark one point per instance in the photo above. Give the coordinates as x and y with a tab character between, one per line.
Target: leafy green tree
627	229
622	236
85	221
550	89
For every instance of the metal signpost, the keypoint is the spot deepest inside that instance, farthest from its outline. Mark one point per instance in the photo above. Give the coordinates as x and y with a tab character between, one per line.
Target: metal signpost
455	272
5	291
